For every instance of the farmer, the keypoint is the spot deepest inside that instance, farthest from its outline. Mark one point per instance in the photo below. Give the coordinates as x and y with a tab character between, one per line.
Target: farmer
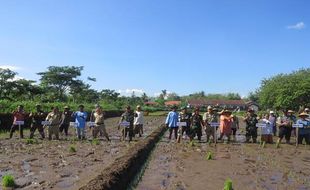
37	119
171	122
196	125
80	121
138	121
208	118
234	126
19	115
226	122
272	119
128	116
99	123
54	118
65	120
184	116
284	123
304	133
267	131
251	129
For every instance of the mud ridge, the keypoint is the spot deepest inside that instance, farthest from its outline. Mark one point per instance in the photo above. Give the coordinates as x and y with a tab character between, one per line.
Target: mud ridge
124	169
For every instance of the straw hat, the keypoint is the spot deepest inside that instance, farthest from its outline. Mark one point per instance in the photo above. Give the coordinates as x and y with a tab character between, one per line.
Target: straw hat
226	111
303	114
290	111
271	112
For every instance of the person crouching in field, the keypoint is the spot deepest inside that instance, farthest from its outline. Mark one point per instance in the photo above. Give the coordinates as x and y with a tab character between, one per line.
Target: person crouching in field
171	122
196	125
267	132
36	121
99	123
226	122
304	133
19	115
54	118
138	122
127	116
80	122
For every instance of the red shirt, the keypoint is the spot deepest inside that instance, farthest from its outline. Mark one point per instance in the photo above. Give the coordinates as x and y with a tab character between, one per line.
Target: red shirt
19	116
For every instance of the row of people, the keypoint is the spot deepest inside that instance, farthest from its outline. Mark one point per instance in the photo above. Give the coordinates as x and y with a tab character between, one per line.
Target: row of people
228	124
59	122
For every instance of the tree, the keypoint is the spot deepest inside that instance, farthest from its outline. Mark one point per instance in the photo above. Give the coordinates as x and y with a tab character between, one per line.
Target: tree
144	97
60	79
6	82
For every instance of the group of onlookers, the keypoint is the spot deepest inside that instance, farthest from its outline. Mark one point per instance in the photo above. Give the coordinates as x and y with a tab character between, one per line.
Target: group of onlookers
58	122
227	125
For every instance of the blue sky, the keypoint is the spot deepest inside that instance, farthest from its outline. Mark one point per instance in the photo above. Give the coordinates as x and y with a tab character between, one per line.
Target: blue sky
149	45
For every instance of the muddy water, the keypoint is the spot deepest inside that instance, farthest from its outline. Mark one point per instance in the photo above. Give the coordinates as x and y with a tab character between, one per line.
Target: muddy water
50	165
176	166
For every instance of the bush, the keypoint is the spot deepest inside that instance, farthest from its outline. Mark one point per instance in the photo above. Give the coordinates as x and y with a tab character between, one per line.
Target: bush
8	181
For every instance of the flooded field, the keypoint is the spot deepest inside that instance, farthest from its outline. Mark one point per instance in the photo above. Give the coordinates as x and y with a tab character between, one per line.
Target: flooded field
54	165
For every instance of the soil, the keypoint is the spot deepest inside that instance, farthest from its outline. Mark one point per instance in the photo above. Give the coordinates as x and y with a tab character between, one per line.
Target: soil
50	164
180	166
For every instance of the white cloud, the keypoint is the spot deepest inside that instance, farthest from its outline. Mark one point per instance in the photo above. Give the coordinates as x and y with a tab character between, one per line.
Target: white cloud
11	67
128	92
297	26
16	78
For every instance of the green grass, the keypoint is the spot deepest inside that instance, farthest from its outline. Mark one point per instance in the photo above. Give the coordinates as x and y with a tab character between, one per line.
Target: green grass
209	156
158	113
8	181
95	142
228	184
72	149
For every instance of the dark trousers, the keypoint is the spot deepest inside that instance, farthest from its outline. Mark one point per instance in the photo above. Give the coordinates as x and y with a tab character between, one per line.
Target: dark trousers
34	127
285	132
196	130
64	127
128	131
15	127
234	131
175	129
251	132
186	130
302	137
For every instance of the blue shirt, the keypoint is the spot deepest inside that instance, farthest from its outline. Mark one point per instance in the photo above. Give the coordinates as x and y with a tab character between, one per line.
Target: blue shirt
305	123
80	119
172	119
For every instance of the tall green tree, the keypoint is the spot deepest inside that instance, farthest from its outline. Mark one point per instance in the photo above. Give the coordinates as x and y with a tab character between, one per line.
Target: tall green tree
6	83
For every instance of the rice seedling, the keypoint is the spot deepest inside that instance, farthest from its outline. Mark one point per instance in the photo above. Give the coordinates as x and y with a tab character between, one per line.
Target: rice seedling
8	181
228	184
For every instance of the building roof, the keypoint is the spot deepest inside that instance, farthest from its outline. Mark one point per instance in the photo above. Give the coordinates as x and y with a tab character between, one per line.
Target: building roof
216	102
171	103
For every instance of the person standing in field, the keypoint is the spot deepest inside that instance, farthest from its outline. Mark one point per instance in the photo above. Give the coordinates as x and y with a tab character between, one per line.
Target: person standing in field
36	122
80	122
284	123
184	116
251	129
196	125
273	122
19	115
234	126
304	132
139	121
127	116
99	123
226	122
65	120
267	131
171	122
208	118
54	118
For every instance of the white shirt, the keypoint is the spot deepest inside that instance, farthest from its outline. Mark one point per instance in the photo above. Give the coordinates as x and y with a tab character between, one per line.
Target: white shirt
139	119
268	130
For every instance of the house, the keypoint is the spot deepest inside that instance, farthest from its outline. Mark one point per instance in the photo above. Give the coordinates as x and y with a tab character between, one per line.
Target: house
229	104
252	105
172	103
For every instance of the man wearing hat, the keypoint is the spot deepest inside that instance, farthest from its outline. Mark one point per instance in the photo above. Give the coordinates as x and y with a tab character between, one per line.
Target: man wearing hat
304	133
80	122
128	116
139	121
251	129
65	120
210	117
284	123
184	116
36	121
171	122
196	125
